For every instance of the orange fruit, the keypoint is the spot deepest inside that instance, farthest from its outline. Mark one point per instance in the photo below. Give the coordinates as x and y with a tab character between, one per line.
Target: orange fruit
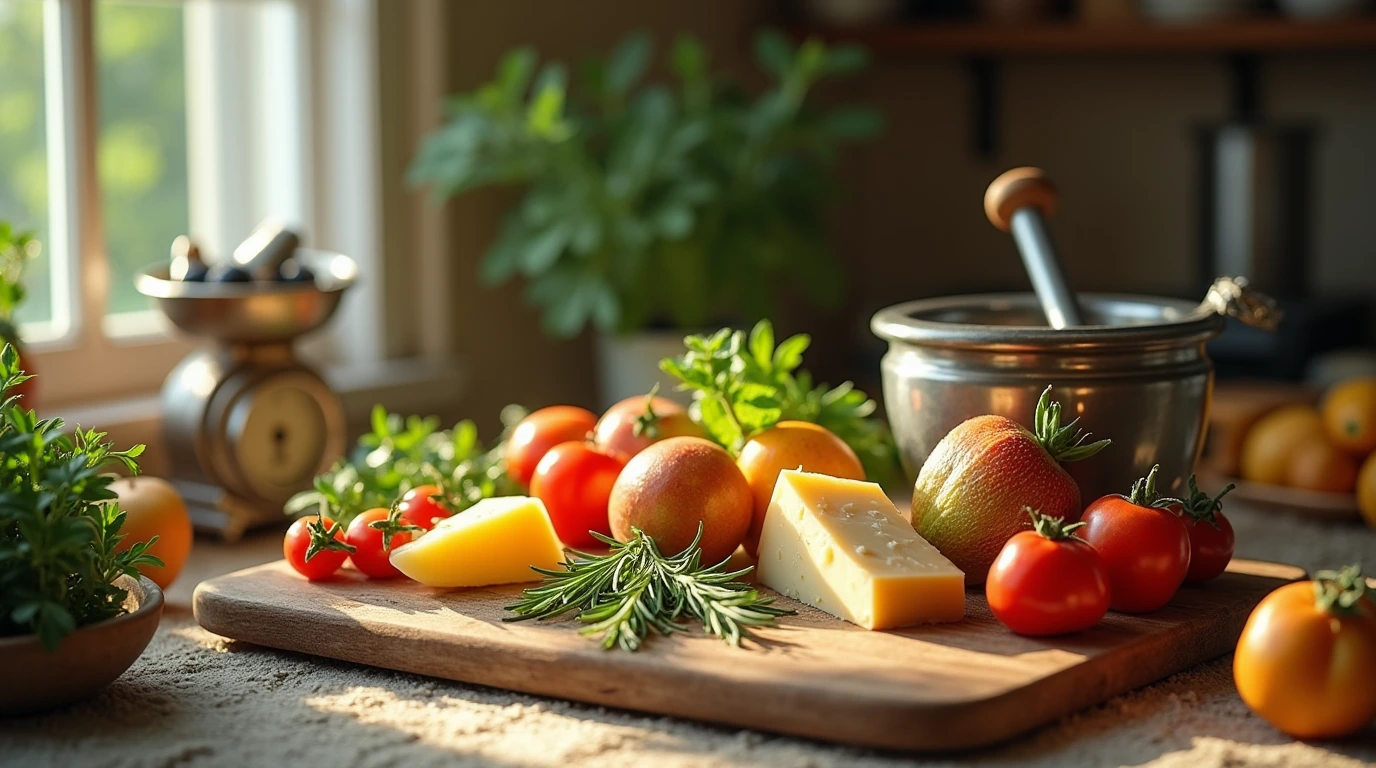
1366	490
1349	415
791	445
1318	465
675	485
154	508
1269	444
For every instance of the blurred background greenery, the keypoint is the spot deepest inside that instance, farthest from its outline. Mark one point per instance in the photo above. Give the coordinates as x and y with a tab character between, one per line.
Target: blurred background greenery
142	156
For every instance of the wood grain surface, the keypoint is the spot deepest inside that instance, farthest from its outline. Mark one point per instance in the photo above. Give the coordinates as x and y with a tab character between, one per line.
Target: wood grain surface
943	687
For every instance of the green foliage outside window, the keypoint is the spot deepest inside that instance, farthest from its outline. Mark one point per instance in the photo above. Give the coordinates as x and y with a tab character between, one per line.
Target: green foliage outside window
142	146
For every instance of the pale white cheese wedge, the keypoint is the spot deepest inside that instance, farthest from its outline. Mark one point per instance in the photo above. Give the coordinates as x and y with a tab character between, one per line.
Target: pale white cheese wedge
496	541
841	546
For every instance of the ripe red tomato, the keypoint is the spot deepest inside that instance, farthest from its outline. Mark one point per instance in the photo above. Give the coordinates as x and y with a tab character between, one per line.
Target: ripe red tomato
1048	582
373	535
541	431
315	547
575	481
419	506
636	423
1146	548
1211	535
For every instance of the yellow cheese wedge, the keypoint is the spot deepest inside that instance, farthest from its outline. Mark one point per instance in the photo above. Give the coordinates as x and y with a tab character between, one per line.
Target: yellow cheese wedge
841	546
496	541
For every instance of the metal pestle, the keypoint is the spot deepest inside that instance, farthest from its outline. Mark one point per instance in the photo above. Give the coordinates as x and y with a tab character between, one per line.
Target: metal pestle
1018	201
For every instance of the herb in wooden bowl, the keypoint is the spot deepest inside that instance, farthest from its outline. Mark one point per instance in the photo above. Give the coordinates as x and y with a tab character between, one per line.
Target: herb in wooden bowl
59	525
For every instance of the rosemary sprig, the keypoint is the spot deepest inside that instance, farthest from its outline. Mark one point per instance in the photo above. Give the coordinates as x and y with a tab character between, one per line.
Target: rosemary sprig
634	590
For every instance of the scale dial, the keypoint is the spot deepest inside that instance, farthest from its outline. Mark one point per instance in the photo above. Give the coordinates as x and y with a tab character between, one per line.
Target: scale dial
280	432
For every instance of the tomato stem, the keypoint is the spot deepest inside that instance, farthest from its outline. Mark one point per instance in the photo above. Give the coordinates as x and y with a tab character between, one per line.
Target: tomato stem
647	423
392	525
1144	494
1053	528
323	538
1064	443
1339	592
1202	507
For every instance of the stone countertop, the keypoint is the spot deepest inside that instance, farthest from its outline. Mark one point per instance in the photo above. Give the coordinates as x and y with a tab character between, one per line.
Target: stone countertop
201	700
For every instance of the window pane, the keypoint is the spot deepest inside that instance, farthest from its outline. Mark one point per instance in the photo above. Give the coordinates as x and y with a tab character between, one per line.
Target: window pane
23	143
141	62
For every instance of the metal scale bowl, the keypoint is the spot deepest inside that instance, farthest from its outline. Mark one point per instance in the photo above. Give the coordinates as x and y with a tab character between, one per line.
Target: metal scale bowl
247	424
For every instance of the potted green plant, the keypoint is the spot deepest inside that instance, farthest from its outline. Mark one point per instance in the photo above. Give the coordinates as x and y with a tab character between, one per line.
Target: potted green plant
74	612
16	249
653	206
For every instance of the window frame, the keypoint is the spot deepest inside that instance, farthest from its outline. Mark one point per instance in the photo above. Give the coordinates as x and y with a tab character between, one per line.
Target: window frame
95	358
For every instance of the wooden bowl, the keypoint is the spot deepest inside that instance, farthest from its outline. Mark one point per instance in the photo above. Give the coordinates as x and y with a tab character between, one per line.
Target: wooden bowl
34	680
1317	505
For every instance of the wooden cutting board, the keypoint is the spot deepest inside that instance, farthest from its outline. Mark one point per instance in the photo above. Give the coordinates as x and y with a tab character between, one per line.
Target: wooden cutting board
943	687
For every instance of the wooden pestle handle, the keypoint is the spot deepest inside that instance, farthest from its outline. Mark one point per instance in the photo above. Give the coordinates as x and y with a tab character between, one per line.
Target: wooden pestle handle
1018	188
1019	202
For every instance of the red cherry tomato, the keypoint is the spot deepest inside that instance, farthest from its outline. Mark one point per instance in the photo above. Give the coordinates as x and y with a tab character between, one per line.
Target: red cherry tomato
575	480
541	431
1146	548
1047	582
419	506
331	553
1211	535
367	534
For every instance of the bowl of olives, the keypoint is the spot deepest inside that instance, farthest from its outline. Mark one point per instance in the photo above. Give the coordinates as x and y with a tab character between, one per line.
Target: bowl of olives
270	290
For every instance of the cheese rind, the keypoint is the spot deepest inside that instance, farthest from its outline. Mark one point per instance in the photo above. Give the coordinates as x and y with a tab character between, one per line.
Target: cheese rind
841	546
496	541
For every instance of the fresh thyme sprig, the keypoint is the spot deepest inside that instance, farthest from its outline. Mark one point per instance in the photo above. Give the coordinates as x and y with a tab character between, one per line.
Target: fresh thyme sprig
634	590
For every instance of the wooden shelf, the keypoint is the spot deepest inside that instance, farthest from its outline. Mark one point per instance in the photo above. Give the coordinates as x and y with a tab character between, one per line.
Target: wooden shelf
972	39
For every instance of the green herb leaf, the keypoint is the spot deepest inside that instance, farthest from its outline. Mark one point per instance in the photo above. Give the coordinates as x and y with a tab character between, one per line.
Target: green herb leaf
400	454
649	204
59	524
742	388
627	62
774	53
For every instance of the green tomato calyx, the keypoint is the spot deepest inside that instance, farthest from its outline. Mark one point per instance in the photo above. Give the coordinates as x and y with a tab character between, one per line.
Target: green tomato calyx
1202	507
1340	592
1064	443
1052	528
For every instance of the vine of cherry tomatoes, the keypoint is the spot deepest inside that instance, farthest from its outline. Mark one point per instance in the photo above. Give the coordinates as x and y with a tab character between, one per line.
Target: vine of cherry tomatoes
1129	553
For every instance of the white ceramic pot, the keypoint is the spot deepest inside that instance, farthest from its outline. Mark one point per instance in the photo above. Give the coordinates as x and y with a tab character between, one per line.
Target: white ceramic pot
628	365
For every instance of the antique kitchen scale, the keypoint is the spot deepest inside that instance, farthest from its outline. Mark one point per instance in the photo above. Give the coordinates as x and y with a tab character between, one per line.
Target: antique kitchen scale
247	424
